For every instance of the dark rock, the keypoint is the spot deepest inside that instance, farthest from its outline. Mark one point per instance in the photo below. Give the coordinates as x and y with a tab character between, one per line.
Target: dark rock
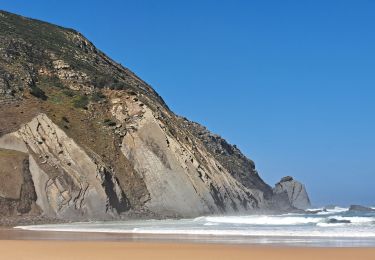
315	211
286	178
359	208
338	221
240	167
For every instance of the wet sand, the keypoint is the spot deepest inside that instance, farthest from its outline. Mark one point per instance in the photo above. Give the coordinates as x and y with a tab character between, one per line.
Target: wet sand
30	245
89	250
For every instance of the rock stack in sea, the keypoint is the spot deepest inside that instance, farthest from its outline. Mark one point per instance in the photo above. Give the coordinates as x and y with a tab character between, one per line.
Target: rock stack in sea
293	192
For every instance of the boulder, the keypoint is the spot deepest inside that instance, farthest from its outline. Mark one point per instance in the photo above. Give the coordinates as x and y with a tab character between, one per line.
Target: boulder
294	191
359	208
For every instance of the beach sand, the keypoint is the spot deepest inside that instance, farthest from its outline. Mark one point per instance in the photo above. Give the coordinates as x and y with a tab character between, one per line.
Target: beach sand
89	250
38	245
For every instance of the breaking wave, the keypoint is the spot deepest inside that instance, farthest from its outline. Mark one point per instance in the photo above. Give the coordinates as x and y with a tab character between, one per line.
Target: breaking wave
261	220
332	223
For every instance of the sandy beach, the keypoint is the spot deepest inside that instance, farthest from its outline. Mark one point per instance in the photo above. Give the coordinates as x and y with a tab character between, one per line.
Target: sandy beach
82	250
29	245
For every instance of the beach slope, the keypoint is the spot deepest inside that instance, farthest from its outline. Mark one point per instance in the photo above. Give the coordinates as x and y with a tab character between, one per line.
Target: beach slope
69	250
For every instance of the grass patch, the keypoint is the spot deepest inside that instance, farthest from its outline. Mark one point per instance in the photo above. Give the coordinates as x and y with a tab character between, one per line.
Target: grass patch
56	99
68	92
51	81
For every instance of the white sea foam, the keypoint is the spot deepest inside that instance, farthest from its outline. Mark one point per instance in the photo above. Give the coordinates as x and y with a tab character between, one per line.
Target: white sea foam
271	233
332	211
315	209
264	220
338	209
210	224
331	224
288	225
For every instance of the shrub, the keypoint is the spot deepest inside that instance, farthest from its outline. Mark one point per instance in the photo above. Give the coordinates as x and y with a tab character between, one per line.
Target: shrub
108	81
68	92
81	102
117	86
50	81
109	122
101	81
54	82
97	96
65	119
37	92
57	84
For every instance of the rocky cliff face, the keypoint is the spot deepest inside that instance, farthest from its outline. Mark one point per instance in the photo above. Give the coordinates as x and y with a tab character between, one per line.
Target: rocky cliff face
67	182
291	192
82	137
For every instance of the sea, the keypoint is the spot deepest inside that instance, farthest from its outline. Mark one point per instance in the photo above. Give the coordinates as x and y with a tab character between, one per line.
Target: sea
334	227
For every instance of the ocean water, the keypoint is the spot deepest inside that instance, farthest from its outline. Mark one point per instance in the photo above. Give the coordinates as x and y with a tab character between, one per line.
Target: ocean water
320	229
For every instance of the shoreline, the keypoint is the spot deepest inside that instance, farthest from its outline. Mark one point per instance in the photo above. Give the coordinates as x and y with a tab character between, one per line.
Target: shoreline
43	250
47	245
13	234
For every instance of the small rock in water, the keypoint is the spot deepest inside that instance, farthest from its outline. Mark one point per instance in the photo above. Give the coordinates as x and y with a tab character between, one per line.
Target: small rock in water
338	221
295	192
360	208
315	211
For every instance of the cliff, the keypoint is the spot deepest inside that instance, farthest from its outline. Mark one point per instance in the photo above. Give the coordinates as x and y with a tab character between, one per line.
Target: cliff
82	137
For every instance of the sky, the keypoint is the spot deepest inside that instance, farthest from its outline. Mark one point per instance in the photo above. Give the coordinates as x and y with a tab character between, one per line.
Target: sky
291	83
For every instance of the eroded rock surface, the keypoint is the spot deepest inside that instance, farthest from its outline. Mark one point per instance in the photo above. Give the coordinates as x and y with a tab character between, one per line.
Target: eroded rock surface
292	190
82	137
181	180
68	183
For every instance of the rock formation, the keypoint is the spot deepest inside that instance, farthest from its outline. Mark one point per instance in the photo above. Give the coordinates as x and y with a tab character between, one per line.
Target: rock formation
291	192
82	137
359	208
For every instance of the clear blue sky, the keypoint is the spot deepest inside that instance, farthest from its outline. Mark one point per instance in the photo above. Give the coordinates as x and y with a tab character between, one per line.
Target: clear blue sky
292	83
